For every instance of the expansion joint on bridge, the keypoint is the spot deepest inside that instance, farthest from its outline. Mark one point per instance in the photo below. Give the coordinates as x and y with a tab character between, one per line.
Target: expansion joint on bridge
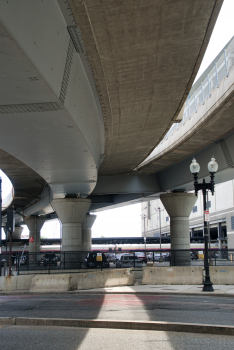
226	153
66	73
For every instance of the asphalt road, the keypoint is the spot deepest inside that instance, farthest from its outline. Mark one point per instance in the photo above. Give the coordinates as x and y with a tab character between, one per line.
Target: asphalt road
64	338
173	308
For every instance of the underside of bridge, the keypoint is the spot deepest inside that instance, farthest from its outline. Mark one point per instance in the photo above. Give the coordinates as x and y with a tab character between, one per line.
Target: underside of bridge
144	56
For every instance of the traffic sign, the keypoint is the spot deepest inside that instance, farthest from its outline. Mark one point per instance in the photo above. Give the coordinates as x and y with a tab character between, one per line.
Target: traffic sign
207	215
99	257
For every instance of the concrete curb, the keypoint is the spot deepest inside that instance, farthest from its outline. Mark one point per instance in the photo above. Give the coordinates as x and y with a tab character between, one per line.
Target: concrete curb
202	294
131	325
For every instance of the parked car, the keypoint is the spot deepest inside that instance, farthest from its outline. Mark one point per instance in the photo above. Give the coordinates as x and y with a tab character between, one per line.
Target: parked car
150	256
23	259
128	261
91	261
3	261
194	255
51	258
141	256
112	258
166	256
157	256
118	255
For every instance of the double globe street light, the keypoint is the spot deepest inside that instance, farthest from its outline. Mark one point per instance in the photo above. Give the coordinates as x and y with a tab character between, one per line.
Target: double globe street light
212	168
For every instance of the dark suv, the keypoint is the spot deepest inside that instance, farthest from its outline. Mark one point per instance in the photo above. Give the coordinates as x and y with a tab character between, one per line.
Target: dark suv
92	262
51	258
193	255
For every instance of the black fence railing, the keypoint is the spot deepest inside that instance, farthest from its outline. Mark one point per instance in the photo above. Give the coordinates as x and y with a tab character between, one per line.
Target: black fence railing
42	262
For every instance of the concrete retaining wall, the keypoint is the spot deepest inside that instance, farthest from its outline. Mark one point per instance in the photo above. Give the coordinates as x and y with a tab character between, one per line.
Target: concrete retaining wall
107	278
173	275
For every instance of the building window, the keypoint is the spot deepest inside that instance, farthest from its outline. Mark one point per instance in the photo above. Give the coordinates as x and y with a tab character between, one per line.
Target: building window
195	209
167	218
232	222
209	204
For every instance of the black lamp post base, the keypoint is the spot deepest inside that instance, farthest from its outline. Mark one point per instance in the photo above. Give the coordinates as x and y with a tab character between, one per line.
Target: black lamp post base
207	285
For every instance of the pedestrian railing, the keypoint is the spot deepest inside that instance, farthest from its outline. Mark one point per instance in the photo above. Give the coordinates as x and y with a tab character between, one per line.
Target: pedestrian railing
81	261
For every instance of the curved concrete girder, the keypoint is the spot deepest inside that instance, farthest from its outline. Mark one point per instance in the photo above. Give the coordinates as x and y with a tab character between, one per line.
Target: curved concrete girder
179	177
28	185
58	134
145	56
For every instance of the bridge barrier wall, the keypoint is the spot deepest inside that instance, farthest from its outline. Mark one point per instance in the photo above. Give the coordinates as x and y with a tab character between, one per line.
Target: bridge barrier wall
15	283
54	283
173	275
107	278
222	274
65	282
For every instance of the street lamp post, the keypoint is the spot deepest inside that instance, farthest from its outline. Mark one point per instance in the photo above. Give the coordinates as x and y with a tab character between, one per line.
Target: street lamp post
212	168
160	233
144	233
0	226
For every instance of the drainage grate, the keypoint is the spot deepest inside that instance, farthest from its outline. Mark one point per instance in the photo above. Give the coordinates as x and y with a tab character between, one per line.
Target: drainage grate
66	73
30	108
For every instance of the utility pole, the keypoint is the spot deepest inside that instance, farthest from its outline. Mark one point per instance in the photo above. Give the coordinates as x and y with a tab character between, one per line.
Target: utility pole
0	226
144	217
160	232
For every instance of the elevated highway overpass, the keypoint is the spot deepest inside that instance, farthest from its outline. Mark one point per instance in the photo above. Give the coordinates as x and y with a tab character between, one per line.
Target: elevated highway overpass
88	89
206	129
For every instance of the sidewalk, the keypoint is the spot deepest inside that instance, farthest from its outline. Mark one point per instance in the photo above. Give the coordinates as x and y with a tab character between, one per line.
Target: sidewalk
219	290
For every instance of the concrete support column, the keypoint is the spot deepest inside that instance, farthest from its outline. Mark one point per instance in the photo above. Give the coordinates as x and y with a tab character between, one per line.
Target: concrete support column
71	212
192	232
17	233
179	206
34	224
86	232
220	237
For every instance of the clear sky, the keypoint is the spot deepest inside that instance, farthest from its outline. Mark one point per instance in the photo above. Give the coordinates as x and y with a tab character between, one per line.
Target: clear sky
126	221
222	33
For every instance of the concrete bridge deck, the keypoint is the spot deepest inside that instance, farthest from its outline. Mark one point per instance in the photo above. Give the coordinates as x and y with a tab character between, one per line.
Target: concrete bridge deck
84	87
